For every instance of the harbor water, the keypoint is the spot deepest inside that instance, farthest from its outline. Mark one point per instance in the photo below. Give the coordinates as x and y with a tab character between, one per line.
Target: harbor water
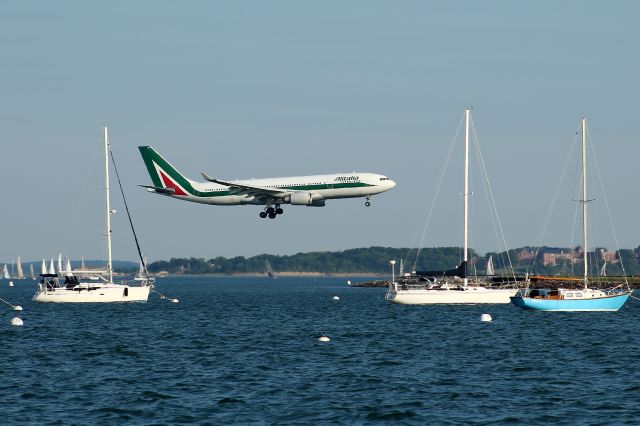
239	350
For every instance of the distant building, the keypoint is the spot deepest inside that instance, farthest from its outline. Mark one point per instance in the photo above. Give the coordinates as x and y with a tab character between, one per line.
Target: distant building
552	256
526	254
607	256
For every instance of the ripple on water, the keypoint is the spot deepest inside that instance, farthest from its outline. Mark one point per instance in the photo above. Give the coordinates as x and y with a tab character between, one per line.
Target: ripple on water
244	351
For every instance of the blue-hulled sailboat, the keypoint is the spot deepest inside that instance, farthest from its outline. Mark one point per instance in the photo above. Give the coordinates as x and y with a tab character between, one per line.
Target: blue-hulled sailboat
582	299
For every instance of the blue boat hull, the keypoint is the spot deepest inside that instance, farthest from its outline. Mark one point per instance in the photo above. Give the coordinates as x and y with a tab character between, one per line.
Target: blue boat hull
609	303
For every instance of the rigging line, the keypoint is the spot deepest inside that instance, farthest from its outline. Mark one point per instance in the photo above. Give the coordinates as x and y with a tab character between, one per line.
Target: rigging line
135	237
162	296
485	180
492	198
15	307
577	187
91	168
606	204
436	195
554	199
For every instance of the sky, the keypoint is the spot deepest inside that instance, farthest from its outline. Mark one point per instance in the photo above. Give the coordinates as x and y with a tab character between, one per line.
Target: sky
286	88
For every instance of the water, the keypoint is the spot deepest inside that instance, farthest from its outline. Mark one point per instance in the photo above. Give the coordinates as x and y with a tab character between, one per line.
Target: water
246	351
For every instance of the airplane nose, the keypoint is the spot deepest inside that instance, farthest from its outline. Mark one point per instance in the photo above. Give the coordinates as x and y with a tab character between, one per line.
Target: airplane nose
391	184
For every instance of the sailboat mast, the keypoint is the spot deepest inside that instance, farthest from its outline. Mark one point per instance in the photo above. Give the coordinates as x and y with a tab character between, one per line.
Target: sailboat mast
584	202
467	119
106	192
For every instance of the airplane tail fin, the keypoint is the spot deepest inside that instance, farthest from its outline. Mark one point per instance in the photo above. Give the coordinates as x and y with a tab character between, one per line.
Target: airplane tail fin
166	178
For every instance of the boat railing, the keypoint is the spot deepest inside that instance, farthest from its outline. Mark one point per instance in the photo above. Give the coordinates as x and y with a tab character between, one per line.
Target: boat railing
447	285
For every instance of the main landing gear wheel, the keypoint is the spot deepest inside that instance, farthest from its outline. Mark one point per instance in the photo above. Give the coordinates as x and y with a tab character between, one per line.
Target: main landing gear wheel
271	212
367	203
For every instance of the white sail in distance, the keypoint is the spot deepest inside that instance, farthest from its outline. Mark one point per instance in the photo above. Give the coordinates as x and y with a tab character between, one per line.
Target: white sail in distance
490	271
19	269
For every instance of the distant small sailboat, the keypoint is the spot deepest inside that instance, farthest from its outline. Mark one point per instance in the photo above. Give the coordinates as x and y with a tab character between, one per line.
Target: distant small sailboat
576	299
20	274
490	271
31	272
270	272
5	273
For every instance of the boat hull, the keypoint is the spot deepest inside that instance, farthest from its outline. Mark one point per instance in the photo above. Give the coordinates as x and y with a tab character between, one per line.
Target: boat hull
608	303
111	293
470	295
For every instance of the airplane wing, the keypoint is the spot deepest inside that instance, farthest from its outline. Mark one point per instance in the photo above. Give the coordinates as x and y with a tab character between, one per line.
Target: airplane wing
236	188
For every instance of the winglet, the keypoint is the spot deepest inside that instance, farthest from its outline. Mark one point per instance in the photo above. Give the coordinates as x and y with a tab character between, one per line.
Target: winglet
207	177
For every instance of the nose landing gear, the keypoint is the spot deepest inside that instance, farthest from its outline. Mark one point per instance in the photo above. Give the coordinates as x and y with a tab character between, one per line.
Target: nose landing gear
367	203
271	212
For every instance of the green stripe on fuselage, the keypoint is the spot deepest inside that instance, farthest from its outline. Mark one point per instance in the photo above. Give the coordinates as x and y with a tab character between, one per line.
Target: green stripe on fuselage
317	187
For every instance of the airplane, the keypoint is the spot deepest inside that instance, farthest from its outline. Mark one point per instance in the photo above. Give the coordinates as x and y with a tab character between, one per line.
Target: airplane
271	192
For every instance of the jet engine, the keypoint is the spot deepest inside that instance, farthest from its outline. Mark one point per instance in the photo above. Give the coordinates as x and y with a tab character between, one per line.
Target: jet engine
302	198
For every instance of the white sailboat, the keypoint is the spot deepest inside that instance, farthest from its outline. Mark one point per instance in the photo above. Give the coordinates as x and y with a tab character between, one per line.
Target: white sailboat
449	291
91	286
490	272
31	272
270	272
5	273
20	275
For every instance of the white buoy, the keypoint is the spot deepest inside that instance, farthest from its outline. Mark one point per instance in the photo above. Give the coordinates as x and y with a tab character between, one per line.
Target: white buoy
17	308
175	301
486	318
324	338
10	283
336	298
16	321
349	282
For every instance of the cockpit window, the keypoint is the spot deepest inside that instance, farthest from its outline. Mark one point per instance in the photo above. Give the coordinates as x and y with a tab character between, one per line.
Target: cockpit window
384	178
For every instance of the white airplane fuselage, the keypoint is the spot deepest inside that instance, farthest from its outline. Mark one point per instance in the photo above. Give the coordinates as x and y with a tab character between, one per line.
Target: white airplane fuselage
311	190
322	187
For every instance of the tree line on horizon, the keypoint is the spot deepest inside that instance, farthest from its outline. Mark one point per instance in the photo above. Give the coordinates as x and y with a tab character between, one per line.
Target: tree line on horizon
376	260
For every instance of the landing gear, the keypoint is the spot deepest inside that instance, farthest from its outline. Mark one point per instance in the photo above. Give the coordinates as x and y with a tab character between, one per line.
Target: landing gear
367	203
271	212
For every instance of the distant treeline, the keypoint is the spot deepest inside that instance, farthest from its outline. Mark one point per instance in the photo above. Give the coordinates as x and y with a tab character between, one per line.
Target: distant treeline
376	260
360	260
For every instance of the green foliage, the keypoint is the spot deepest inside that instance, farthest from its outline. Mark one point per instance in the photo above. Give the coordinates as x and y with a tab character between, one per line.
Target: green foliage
360	260
376	260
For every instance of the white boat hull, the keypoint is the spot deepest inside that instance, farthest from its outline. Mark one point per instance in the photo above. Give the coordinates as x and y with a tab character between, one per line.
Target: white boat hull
105	293
467	295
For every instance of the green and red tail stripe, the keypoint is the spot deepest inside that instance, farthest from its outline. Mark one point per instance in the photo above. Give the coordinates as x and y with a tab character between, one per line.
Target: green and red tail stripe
163	174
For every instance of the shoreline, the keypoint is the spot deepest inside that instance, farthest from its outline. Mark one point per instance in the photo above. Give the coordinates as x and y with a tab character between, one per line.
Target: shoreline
279	274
